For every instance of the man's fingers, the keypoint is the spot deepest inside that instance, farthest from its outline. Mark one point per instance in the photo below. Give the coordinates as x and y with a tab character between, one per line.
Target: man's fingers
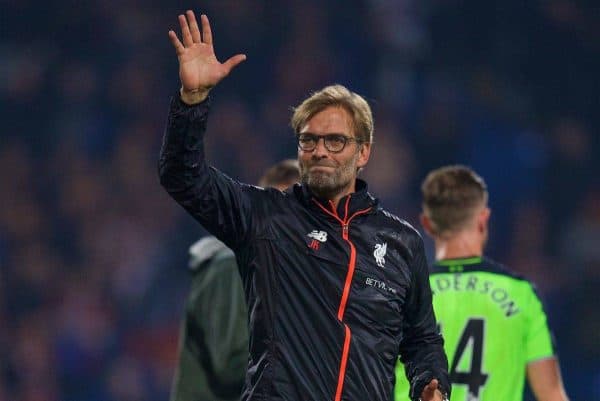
232	62
193	26
206	31
432	385
185	31
429	390
176	43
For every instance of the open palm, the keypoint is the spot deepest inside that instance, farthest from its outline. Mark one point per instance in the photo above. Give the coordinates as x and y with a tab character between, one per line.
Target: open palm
199	69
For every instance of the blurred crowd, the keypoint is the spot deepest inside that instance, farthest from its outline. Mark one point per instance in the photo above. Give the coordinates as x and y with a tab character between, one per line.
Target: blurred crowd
93	253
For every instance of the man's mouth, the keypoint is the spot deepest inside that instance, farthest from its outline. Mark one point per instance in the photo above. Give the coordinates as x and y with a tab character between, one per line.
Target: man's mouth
322	166
322	169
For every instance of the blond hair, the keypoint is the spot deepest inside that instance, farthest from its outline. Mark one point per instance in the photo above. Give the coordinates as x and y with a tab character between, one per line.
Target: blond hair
337	96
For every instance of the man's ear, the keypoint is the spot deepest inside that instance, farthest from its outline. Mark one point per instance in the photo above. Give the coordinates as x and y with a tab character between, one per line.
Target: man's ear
363	155
483	219
427	224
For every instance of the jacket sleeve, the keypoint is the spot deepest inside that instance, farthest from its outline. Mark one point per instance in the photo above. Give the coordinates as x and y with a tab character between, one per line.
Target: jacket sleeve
421	348
219	203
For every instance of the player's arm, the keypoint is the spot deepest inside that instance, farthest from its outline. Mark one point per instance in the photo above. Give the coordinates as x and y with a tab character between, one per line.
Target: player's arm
218	202
543	372
545	380
421	349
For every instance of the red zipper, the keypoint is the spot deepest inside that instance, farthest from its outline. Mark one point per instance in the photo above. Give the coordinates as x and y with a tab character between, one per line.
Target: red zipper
343	362
347	285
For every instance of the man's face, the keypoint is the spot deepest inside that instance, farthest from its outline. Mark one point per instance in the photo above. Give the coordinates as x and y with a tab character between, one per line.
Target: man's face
329	174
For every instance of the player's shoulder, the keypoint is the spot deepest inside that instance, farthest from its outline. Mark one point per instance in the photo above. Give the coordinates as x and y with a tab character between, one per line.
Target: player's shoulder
474	264
503	270
484	265
492	266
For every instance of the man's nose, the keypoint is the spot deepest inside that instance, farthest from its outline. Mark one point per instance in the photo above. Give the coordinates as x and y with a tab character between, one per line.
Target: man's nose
320	149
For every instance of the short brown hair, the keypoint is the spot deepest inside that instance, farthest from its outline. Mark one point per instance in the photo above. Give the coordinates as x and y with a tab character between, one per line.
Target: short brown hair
450	196
337	96
282	174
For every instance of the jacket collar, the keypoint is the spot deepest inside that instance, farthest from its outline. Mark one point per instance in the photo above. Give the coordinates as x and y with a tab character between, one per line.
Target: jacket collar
361	199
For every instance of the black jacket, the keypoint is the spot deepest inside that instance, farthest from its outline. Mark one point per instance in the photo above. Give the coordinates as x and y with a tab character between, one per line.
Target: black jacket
334	296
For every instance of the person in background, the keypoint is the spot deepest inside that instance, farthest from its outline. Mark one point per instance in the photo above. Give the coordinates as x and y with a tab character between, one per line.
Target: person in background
213	342
492	320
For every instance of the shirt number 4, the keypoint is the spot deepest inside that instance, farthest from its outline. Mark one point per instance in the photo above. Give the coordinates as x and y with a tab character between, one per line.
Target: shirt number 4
473	337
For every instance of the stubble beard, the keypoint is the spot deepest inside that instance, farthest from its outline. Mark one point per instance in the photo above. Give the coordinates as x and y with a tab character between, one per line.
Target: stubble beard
329	185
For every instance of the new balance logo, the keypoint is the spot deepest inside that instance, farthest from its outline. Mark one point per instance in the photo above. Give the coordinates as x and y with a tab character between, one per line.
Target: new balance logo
320	236
317	238
379	253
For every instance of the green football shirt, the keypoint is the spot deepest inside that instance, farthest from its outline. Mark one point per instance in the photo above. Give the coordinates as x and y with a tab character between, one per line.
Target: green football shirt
493	325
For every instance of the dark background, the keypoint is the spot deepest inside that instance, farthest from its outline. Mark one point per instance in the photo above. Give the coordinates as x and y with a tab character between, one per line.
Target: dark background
93	253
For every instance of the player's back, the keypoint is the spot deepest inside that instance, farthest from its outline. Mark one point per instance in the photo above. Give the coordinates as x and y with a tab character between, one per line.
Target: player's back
493	324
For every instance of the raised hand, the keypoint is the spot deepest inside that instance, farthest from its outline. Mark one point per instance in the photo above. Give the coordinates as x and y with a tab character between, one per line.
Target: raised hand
199	69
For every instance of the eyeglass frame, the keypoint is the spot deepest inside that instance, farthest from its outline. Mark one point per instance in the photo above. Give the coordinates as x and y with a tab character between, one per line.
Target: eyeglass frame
317	138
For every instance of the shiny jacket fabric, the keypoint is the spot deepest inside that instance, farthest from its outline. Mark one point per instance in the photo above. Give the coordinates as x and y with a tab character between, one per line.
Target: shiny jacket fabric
334	295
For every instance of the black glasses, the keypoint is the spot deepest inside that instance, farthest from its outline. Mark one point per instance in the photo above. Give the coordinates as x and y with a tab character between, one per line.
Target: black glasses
334	143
